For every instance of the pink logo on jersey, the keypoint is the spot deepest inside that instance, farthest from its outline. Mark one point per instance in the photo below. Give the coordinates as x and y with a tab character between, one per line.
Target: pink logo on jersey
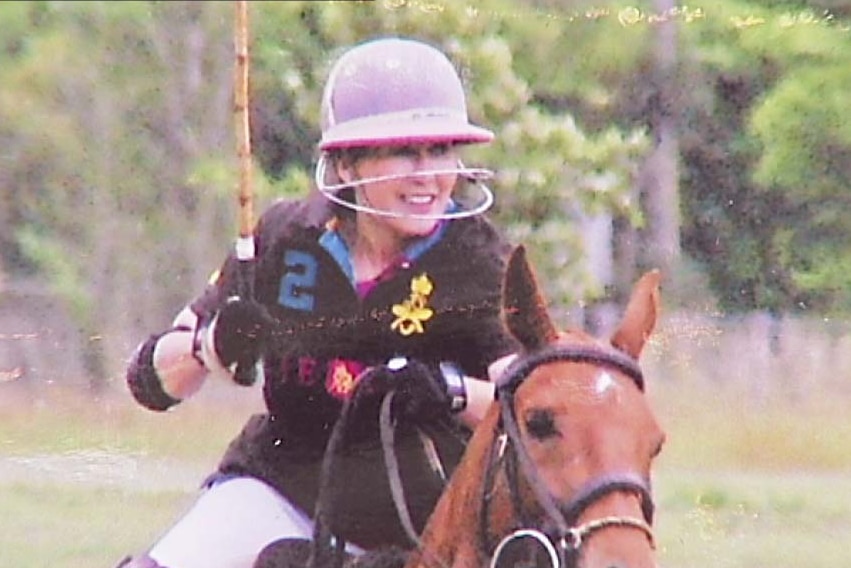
342	377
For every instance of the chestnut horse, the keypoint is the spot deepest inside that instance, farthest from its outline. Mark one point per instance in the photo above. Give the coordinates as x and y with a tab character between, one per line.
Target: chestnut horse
558	472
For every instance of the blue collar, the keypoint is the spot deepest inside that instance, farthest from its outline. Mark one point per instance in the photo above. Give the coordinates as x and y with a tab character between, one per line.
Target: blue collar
333	242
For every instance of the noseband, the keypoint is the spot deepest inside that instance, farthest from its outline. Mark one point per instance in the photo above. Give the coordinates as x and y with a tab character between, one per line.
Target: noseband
560	535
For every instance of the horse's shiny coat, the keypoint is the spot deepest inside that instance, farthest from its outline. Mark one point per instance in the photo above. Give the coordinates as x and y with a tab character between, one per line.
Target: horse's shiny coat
580	423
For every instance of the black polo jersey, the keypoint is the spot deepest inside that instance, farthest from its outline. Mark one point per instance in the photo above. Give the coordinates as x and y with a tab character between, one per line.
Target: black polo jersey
440	302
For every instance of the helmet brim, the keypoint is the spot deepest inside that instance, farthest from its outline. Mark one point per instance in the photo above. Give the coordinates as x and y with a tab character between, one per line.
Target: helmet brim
433	130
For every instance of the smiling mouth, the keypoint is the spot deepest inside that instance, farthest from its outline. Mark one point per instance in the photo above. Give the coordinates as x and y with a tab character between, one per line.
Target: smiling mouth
419	200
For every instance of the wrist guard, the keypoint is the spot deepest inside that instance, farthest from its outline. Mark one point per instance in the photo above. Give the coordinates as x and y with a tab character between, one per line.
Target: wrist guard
144	382
455	387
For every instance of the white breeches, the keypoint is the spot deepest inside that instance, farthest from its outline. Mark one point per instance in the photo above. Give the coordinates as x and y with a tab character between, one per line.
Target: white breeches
228	526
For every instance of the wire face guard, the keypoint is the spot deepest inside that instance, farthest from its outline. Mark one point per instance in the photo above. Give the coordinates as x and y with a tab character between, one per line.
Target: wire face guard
474	176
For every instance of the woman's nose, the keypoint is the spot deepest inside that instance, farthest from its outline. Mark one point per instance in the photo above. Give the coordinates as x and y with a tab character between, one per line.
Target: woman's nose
426	161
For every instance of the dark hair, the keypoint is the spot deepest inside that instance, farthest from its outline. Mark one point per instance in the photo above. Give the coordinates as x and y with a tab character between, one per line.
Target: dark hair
350	155
346	156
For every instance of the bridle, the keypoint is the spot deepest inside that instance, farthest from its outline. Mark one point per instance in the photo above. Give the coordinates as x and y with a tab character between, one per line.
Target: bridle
559	535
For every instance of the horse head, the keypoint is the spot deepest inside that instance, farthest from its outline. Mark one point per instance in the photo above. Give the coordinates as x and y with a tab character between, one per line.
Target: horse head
585	432
558	471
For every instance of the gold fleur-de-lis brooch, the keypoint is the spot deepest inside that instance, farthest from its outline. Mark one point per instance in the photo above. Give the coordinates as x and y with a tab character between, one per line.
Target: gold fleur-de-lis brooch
411	313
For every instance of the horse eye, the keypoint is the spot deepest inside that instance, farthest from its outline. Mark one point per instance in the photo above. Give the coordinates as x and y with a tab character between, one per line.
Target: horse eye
540	424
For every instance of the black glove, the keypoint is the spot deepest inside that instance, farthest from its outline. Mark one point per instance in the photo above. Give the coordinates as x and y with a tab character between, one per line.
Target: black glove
420	389
242	329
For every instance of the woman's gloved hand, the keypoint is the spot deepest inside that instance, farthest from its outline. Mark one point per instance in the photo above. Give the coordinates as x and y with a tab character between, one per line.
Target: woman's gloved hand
241	329
421	392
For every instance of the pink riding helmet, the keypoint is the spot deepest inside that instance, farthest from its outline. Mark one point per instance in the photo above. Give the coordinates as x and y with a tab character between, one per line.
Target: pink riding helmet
394	91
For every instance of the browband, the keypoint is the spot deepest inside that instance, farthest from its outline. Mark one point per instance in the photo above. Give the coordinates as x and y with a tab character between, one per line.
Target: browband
519	369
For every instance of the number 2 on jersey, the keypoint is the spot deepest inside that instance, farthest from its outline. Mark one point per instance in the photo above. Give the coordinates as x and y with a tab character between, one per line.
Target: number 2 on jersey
299	277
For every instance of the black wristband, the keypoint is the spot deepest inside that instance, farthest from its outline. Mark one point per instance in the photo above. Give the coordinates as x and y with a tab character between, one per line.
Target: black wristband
144	382
455	387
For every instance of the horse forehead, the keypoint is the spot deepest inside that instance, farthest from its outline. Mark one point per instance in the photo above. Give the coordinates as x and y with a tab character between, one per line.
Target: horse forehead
569	383
603	383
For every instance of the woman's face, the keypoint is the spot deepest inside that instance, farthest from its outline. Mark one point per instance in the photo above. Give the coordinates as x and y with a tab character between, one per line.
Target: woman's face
410	195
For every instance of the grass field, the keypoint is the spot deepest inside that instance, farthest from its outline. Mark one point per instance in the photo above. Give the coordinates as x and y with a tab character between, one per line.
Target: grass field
739	485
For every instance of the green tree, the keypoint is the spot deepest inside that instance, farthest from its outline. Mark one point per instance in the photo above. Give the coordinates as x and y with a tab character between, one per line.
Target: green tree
117	132
118	153
767	156
106	111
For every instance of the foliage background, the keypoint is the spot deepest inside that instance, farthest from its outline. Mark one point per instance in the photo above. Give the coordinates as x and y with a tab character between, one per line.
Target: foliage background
707	140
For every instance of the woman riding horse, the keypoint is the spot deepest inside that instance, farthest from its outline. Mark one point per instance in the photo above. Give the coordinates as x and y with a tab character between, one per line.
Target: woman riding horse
382	268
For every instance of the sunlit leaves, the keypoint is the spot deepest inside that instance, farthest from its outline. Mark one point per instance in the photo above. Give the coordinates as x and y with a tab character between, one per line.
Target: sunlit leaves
805	132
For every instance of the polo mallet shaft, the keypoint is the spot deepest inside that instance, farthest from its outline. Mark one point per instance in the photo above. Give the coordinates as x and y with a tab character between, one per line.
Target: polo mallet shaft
245	242
244	375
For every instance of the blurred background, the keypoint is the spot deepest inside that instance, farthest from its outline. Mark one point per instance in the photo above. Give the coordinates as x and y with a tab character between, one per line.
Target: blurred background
710	140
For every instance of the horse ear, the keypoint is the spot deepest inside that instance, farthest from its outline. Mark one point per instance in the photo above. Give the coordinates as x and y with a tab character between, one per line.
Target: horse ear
523	305
640	316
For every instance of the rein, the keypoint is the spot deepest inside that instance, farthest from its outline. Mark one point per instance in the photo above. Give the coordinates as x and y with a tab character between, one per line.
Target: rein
391	463
560	537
